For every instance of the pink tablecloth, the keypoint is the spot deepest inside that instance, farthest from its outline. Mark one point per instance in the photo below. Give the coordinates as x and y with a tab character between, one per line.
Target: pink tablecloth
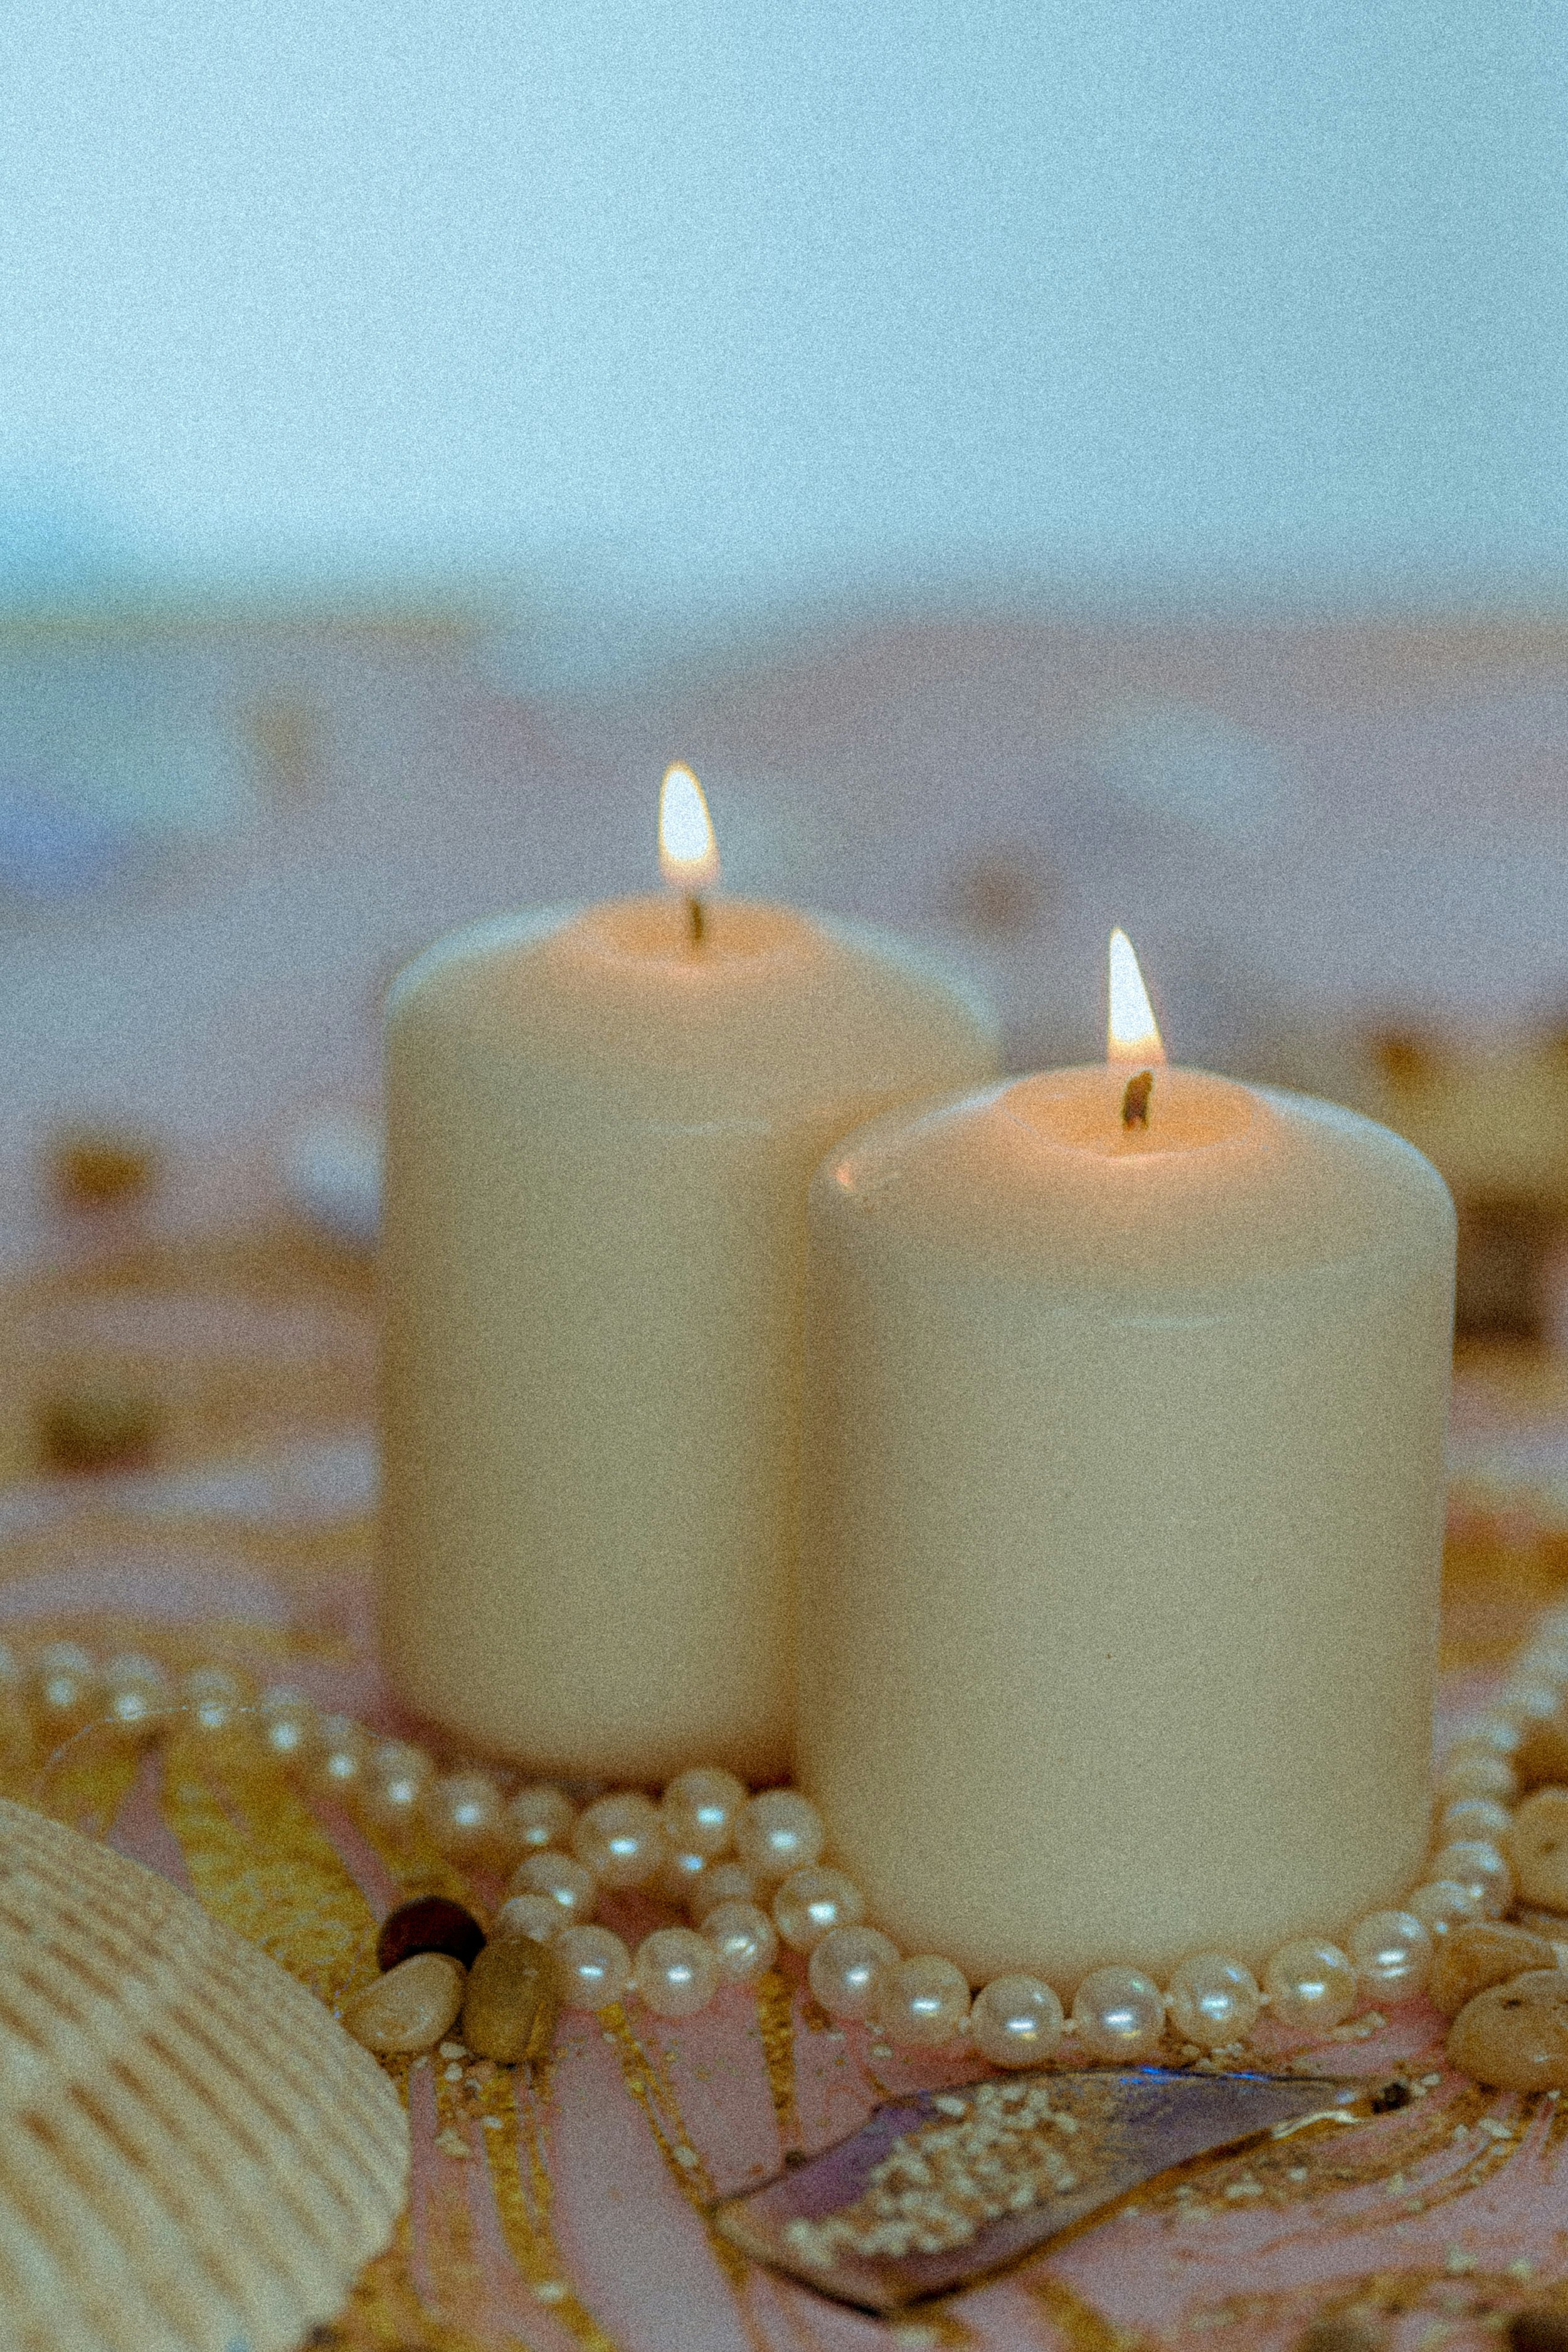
573	2211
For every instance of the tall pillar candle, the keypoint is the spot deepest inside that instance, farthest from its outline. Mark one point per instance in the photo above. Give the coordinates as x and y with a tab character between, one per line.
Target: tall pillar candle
601	1131
1124	1474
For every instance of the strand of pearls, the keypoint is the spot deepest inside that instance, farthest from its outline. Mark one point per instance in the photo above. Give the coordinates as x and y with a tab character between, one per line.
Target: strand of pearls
749	1872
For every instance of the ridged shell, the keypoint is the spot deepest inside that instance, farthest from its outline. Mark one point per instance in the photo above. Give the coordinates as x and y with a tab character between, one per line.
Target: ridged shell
193	2155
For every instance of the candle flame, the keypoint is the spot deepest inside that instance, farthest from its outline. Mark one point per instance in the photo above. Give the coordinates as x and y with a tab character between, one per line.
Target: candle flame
687	851
1132	1033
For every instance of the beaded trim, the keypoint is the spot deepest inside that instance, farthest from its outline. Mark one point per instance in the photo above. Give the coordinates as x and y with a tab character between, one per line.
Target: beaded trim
749	1871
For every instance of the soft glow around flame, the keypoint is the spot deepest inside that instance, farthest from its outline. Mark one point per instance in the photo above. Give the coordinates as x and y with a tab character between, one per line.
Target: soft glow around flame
1132	1033
688	852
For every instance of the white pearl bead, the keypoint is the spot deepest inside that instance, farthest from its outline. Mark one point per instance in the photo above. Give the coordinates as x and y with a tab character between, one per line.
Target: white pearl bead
215	1697
745	1939
1525	1703
679	1875
396	1779
1477	1865
721	1882
1478	1772
1016	2021
290	1722
811	1902
700	1810
136	1691
1473	1817
1312	1986
338	1765
1441	1903
538	1816
1118	2014
778	1832
65	1681
593	1967
568	1884
1391	1952
1213	2000
463	1812
1496	1735
846	1970
924	2001
538	1916
619	1839
676	1972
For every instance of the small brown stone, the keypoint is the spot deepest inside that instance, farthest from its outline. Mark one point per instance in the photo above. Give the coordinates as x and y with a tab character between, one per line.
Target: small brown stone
1514	2036
410	2006
1543	1750
1346	2335
1482	1952
434	1923
1537	1846
509	2010
93	1170
100	1423
1538	2331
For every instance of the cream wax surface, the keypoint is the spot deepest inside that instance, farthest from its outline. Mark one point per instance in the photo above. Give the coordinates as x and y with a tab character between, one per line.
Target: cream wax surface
600	1140
1124	1482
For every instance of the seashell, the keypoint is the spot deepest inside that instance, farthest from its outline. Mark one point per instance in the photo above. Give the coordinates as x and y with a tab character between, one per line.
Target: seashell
193	2155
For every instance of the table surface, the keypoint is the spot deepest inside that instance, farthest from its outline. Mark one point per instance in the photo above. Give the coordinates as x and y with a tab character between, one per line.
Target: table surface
1381	791
579	2218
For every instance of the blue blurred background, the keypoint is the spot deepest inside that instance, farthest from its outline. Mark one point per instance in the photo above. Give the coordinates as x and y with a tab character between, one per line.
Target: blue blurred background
672	318
1049	464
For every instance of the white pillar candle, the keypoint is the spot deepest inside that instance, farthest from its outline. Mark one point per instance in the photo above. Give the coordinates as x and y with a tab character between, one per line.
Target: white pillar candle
1124	1480
601	1131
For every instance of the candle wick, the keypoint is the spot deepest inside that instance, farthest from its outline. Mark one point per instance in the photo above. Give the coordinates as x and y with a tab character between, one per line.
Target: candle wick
695	917
1135	1100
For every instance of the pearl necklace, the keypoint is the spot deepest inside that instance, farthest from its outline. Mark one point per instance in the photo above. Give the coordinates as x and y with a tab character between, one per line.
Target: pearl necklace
749	1872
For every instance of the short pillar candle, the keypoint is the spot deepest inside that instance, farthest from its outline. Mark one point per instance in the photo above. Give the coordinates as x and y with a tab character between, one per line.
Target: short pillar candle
601	1124
1124	1486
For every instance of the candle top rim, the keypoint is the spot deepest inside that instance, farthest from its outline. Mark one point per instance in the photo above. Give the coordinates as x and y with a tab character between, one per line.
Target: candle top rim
828	1010
1299	1182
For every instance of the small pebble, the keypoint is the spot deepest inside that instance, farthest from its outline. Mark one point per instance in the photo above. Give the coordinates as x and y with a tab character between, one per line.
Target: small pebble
409	2008
511	2008
452	2143
1514	2036
1538	2331
1544	1749
1482	1952
430	1923
94	1170
101	1422
1337	2335
1537	1846
1392	2095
